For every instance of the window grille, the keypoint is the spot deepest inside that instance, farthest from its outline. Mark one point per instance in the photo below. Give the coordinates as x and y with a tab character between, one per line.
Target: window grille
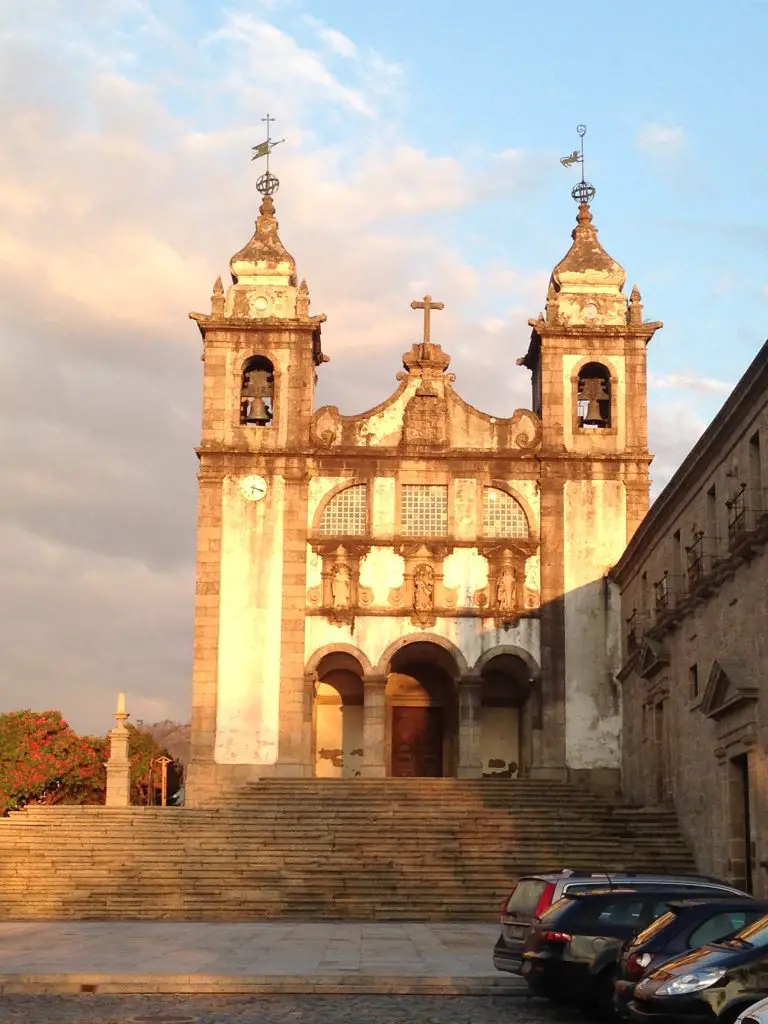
737	515
695	555
346	514
661	595
424	510
503	516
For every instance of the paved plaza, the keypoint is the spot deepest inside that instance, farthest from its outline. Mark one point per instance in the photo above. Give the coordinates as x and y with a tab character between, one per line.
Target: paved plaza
282	1010
59	957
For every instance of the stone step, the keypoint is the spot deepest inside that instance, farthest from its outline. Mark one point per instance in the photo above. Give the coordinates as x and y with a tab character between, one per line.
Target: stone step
391	849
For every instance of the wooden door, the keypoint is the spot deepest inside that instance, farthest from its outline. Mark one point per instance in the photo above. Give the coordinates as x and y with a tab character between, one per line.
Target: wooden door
417	742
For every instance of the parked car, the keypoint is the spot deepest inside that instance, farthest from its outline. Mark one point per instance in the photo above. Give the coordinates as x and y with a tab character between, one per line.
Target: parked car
688	924
572	953
755	1014
716	983
534	895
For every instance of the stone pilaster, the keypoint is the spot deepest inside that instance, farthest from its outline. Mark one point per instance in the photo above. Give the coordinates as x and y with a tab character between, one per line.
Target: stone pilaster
294	754
374	721
119	764
470	764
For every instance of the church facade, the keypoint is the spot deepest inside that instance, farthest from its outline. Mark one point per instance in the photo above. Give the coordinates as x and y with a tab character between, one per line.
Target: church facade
422	589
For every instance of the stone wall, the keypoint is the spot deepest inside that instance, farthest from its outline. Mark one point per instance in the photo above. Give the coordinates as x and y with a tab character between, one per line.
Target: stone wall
695	673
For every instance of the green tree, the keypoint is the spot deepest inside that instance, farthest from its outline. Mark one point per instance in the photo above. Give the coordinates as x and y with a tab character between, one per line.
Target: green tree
43	760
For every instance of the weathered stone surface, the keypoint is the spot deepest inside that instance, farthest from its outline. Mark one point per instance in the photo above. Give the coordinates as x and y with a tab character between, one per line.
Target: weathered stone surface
695	652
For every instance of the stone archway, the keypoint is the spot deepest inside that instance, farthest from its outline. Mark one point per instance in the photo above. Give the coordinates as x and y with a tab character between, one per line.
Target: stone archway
337	718
421	730
504	713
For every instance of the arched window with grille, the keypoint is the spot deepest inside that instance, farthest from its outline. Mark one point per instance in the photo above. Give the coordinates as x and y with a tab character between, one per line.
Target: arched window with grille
503	515
346	514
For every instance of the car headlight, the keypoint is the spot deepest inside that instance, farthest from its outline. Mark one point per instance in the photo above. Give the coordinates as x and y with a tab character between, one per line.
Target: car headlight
688	983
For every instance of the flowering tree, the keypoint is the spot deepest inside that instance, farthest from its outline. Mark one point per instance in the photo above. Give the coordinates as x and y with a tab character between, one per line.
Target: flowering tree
43	760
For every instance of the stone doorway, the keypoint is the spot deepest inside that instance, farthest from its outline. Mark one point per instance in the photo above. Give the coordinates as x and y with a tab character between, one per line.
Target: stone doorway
740	826
422	713
337	720
504	718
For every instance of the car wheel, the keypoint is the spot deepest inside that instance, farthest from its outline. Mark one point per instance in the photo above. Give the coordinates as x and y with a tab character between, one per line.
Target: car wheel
730	1015
604	995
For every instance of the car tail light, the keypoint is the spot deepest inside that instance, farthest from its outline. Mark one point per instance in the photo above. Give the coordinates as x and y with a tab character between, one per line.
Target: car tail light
557	937
545	900
637	963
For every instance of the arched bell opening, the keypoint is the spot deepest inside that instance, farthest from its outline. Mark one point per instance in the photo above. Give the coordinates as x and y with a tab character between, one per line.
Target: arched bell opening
594	397
257	392
337	725
422	712
504	715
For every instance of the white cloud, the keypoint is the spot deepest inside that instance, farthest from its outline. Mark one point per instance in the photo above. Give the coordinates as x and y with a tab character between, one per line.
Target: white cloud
690	382
663	140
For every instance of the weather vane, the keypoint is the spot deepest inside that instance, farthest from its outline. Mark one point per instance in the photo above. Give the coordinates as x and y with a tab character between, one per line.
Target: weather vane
583	192
267	184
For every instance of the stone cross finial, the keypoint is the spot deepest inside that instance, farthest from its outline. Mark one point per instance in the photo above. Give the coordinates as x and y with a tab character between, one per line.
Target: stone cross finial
427	305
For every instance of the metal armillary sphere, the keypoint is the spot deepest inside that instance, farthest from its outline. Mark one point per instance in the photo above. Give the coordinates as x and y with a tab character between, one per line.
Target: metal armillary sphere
267	184
583	192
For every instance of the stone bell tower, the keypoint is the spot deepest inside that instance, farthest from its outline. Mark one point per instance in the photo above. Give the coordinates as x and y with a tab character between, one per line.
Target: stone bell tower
260	352
587	358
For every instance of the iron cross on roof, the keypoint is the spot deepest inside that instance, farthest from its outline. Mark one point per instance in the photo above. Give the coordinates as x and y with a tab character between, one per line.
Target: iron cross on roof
427	305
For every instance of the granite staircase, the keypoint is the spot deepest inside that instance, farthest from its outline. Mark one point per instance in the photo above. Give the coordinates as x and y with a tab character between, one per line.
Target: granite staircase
389	849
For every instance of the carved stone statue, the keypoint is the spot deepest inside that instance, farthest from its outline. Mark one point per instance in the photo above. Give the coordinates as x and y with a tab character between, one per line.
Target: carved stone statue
423	588
505	591
341	586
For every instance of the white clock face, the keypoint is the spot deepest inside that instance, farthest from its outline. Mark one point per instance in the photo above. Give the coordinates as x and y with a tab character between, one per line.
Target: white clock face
253	488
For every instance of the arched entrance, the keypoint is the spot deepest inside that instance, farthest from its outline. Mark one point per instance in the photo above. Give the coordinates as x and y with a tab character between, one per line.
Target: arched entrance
337	721
504	718
421	712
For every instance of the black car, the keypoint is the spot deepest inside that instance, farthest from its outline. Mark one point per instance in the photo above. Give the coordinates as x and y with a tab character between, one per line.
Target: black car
711	985
572	953
535	894
688	924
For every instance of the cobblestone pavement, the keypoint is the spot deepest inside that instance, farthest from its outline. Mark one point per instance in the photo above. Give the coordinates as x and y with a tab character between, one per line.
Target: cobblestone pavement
97	1009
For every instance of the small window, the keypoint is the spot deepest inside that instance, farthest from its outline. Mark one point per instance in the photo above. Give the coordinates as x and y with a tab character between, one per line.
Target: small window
593	398
346	514
693	682
424	510
503	515
721	926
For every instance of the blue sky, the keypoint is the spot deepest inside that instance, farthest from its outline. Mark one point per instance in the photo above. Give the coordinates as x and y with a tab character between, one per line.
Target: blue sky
422	154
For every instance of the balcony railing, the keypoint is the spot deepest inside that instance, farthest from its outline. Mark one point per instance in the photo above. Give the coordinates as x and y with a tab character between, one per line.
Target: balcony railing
746	510
696	569
662	596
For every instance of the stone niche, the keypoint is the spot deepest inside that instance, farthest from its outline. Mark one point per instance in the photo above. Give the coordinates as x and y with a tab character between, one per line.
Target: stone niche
423	590
508	594
340	595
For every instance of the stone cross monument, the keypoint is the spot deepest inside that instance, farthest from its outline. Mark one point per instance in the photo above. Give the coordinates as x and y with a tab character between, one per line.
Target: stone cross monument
119	765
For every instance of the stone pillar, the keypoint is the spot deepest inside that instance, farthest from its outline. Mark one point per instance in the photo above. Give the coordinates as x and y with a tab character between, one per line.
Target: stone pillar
293	759
470	765
374	721
119	765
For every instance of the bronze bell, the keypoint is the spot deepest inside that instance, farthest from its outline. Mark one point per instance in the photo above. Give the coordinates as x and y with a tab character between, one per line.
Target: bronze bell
258	412
593	392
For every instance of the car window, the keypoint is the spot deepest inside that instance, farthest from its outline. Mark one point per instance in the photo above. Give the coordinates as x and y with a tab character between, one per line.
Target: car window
526	895
606	917
557	910
656	926
721	926
756	933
